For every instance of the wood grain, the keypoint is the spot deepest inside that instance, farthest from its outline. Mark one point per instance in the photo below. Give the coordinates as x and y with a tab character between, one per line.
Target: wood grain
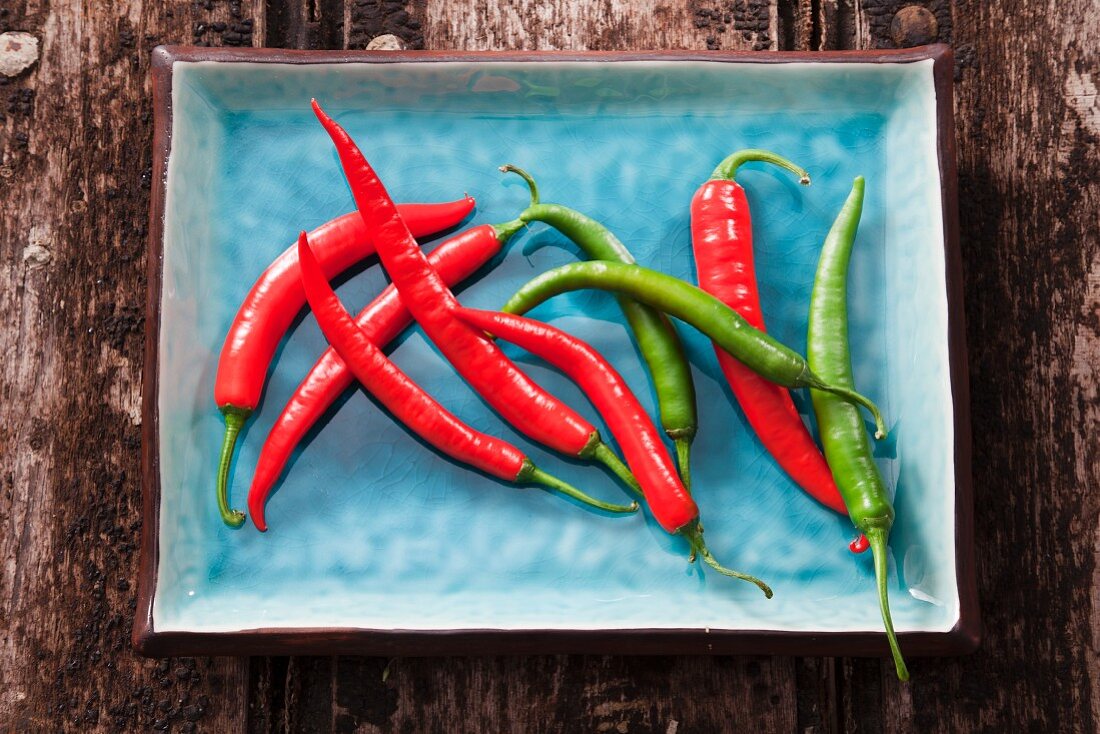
530	694
579	25
74	167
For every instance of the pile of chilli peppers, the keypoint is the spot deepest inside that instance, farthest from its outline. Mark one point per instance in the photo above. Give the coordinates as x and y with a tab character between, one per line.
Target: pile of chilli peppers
725	307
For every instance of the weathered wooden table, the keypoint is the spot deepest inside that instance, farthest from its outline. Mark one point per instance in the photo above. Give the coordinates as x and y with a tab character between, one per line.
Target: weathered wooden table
75	133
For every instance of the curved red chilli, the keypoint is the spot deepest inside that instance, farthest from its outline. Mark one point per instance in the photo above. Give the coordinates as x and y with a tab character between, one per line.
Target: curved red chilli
381	321
277	296
721	234
638	437
395	390
478	360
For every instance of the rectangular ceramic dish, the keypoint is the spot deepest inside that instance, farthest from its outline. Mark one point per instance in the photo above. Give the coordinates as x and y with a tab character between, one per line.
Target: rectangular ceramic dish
379	545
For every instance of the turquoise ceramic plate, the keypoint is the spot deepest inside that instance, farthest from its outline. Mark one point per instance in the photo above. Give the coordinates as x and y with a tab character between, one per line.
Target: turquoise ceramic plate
376	541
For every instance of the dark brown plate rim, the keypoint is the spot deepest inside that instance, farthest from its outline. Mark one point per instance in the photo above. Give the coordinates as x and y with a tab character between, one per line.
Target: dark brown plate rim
963	638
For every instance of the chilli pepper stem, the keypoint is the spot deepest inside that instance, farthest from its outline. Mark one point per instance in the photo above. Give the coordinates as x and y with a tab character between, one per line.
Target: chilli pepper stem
683	460
505	231
852	397
694	535
727	169
531	473
534	187
235	419
877	538
602	453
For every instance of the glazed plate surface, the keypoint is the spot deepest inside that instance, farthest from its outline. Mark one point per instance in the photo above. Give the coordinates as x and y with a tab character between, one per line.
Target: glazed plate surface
375	540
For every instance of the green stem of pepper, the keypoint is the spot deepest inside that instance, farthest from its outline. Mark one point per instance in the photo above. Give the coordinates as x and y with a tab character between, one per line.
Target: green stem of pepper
694	535
815	382
877	538
603	454
505	231
531	473
683	460
727	169
235	419
534	187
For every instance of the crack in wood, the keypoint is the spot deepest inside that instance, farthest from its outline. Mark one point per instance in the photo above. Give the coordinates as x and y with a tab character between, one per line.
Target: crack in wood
817	25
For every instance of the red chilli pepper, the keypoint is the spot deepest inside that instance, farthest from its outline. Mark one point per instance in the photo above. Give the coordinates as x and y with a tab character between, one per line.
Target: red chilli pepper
382	321
408	402
645	452
270	307
478	360
721	234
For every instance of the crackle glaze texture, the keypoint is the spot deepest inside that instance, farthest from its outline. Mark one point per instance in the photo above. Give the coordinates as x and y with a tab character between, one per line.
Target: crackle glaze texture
369	527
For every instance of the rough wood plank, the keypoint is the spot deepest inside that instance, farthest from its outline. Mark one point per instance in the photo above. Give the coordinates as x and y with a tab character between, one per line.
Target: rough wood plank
816	686
536	694
601	24
894	24
74	167
314	24
833	25
1028	134
796	28
368	19
566	694
293	694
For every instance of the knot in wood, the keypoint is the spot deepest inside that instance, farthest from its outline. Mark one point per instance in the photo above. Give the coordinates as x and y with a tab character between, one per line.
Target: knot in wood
913	26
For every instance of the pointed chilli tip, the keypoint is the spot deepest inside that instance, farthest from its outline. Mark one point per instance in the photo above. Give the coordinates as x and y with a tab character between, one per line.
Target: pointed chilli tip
329	124
257	500
306	257
256	512
320	113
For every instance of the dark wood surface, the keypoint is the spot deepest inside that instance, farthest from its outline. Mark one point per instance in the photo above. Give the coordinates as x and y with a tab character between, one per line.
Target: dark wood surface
75	142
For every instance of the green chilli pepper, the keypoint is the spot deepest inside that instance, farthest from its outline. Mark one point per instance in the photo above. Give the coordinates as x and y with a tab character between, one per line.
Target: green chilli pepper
761	353
657	340
843	435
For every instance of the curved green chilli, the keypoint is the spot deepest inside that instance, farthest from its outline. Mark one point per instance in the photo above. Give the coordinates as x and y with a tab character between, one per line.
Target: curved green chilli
843	435
760	352
657	340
